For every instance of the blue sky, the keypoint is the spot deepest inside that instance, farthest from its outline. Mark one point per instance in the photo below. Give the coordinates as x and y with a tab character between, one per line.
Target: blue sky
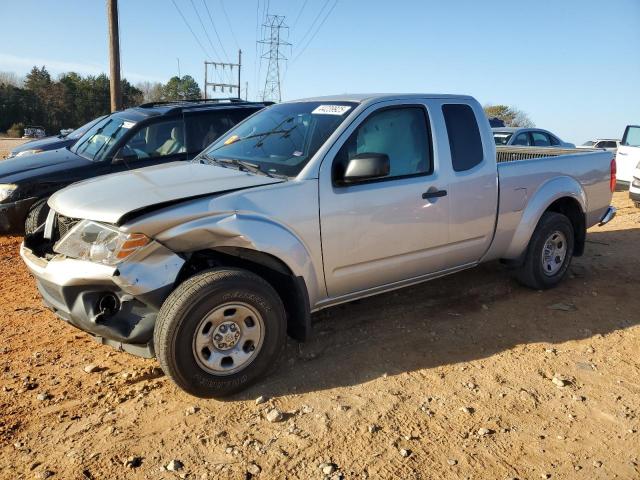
572	65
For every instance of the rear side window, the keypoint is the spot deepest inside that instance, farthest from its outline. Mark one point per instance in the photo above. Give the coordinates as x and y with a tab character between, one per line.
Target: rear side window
540	139
554	140
203	128
522	140
464	136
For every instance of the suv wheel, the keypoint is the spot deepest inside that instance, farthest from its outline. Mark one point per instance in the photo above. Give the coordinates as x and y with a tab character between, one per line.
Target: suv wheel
219	332
549	253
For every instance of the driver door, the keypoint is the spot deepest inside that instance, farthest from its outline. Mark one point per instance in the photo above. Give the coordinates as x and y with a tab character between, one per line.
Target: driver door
391	229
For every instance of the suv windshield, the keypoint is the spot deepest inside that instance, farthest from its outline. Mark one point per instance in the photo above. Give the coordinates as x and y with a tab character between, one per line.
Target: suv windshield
280	139
501	138
78	132
96	142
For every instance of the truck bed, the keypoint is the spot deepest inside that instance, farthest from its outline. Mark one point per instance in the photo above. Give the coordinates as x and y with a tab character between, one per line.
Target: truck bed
526	173
514	154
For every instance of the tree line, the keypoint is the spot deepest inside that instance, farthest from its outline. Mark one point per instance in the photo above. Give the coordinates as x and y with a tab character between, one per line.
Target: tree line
73	100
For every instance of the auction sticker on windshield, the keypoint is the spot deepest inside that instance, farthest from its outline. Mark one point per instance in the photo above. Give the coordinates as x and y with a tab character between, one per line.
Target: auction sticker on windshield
331	110
128	124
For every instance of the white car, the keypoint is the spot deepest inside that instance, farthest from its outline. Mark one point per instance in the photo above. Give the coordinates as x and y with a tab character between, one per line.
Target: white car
610	144
628	154
634	188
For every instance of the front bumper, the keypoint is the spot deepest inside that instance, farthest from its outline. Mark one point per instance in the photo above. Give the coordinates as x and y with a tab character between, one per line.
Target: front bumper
79	292
13	216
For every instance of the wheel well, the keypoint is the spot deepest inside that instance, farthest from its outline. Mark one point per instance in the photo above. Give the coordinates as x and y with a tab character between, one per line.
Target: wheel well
291	289
570	208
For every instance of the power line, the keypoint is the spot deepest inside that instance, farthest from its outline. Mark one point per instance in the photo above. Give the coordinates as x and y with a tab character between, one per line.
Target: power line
215	52
313	24
191	30
215	30
299	14
224	10
316	32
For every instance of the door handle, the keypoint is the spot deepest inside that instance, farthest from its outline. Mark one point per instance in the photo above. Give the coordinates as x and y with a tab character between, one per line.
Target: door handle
434	194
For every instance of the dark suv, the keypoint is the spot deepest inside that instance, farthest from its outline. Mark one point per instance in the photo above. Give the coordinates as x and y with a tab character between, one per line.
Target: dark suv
138	137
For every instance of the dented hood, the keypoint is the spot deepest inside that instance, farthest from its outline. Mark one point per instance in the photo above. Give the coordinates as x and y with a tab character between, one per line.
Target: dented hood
111	197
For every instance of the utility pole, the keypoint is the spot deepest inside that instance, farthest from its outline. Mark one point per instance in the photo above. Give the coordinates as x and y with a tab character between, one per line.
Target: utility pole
220	81
275	38
114	55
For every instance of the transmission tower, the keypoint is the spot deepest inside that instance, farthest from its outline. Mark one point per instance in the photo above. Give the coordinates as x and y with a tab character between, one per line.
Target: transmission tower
275	34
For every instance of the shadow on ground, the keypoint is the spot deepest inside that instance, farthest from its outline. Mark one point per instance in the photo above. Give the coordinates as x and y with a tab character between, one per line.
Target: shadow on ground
461	318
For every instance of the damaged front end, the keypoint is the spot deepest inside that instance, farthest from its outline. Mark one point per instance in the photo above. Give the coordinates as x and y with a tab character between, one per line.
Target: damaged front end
117	304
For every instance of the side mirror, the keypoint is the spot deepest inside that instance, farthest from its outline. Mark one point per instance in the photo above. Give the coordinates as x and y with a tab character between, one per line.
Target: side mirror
366	166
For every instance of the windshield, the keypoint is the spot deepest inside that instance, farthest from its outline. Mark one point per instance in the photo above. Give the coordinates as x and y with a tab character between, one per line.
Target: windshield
631	136
78	132
96	143
502	138
281	139
588	144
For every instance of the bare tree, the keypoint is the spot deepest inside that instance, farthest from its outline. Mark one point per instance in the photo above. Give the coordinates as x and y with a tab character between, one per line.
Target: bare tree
11	78
151	91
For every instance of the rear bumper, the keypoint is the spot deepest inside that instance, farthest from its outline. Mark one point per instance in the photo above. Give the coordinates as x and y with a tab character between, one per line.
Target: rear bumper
110	303
13	216
608	215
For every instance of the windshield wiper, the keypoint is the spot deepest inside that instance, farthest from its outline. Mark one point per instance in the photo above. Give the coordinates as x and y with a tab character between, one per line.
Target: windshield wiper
240	164
247	166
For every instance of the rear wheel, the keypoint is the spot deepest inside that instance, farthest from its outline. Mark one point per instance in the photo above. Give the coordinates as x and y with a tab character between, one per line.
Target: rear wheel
219	332
37	216
549	253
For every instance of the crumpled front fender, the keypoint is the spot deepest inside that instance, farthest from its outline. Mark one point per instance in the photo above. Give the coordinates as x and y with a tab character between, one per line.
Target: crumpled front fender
250	231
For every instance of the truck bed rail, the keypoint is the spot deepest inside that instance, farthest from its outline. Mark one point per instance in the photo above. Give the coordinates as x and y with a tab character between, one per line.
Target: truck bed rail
514	154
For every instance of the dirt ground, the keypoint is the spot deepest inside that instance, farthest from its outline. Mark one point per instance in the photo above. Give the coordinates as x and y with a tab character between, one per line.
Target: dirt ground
8	144
449	379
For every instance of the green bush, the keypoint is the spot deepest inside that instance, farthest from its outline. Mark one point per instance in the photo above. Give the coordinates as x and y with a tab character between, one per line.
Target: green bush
16	130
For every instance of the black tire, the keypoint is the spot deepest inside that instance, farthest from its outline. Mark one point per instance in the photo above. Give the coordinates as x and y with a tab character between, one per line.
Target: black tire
532	272
37	216
183	312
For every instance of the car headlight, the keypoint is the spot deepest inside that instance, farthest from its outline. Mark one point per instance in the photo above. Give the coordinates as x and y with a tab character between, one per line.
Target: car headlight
28	152
6	190
96	242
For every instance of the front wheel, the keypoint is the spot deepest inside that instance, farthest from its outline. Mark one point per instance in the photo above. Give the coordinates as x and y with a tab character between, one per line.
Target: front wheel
219	332
549	252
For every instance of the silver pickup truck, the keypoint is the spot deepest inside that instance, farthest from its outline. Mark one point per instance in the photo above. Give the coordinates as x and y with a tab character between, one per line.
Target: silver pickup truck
208	265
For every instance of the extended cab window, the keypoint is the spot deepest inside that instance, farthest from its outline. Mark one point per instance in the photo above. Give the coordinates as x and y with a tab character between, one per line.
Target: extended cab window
156	140
401	133
464	136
